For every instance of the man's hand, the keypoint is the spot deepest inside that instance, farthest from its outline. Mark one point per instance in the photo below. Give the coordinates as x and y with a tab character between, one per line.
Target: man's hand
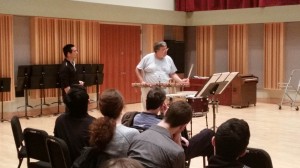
164	108
185	81
81	83
184	142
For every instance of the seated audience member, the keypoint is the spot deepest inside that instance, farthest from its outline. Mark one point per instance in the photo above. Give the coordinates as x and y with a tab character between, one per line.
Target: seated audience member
155	103
198	145
121	163
73	127
160	145
108	137
107	132
230	143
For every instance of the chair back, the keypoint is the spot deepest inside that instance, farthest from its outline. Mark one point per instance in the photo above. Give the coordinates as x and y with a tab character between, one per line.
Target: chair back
128	117
257	158
58	152
35	141
17	132
18	138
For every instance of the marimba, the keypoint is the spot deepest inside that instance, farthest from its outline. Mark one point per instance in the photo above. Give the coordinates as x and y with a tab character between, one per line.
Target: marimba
160	85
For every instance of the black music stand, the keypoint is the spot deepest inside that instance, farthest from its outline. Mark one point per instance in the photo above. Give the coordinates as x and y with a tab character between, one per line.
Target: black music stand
216	85
85	73
23	83
38	82
52	80
97	70
4	87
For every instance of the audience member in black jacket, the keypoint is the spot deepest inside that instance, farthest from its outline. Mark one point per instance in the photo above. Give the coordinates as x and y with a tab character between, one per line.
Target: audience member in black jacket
230	143
73	127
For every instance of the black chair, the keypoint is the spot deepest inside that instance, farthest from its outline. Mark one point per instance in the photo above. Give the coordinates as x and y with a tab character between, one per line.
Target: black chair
127	120
19	138
35	142
257	158
58	152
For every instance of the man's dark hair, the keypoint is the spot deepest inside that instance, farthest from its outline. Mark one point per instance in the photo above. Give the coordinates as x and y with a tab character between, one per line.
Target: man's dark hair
155	98
68	48
77	101
232	138
179	113
158	45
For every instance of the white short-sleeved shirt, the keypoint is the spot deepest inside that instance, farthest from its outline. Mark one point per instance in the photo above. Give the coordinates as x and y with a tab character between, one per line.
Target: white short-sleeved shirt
157	70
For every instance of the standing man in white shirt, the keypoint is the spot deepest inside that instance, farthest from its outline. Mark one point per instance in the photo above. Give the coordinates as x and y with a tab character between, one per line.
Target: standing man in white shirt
157	67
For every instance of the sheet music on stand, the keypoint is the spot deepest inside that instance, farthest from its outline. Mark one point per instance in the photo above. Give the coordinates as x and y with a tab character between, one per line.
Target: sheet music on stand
216	84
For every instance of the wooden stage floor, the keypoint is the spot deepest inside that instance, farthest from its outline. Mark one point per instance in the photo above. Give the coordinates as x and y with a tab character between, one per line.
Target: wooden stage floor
276	131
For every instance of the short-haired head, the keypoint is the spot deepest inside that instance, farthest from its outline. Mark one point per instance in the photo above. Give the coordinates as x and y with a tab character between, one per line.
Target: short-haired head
111	103
232	138
158	45
121	163
155	98
77	100
179	113
68	49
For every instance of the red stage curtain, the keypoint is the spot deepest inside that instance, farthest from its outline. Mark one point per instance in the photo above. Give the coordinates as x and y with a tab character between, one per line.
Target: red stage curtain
202	5
235	4
264	3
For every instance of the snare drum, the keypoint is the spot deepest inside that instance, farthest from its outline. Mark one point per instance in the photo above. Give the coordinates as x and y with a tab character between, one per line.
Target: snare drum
199	105
174	97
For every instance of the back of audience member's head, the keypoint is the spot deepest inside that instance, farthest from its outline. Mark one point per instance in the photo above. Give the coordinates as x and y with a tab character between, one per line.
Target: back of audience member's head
102	130
232	138
122	163
179	113
77	101
155	98
111	103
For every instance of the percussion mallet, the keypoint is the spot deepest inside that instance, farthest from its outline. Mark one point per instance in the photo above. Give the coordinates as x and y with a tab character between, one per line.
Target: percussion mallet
190	71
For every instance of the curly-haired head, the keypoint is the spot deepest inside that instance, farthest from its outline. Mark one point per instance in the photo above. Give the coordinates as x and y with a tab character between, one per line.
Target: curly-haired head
101	132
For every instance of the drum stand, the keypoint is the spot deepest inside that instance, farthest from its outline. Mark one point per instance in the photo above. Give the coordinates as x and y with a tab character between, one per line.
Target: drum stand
198	110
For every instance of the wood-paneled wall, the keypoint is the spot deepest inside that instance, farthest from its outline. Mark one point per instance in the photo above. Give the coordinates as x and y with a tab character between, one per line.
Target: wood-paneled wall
120	53
6	53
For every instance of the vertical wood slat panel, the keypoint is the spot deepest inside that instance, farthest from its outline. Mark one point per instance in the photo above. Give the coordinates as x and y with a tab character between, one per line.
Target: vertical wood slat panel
178	33
273	55
6	54
238	48
204	50
152	34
